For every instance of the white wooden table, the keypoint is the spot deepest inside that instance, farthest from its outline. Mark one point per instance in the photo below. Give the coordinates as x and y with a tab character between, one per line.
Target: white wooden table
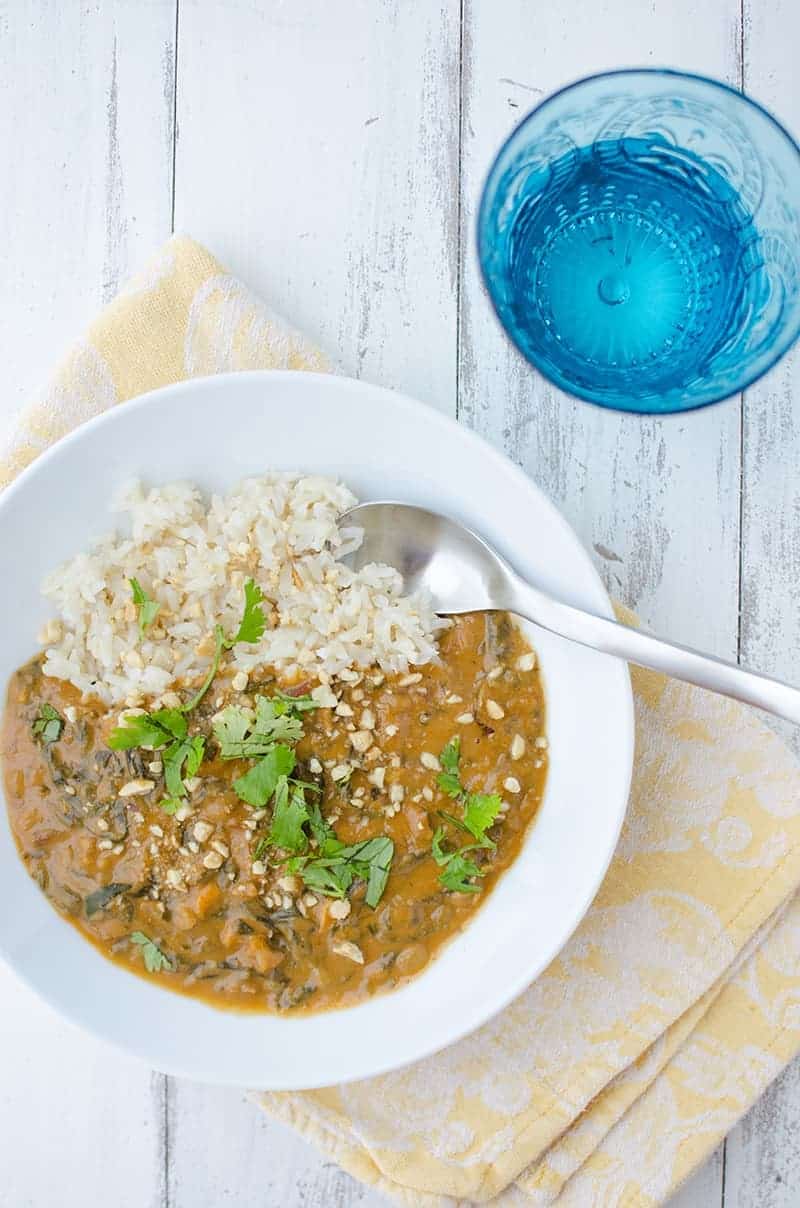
331	152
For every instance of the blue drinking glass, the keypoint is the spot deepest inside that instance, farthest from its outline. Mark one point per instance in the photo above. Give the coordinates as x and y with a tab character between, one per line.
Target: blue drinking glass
639	236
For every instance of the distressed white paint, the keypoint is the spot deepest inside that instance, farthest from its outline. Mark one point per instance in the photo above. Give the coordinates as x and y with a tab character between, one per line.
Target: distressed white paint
318	155
223	1150
763	1154
86	139
85	193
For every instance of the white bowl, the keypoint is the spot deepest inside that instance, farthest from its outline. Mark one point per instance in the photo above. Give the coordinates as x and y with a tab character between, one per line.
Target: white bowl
215	431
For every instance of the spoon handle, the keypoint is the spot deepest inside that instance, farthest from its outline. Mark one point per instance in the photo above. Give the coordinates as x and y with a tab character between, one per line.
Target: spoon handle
680	662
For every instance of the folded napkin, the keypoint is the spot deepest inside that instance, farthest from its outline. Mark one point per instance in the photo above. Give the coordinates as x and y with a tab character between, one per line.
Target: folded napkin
678	998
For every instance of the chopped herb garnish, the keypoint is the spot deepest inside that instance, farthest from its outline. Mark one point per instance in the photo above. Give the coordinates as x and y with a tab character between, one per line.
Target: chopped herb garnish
320	828
147	607
480	812
480	809
170	805
49	724
253	621
155	961
219	638
333	872
149	730
276	720
457	870
450	756
167	729
258	785
289	816
182	759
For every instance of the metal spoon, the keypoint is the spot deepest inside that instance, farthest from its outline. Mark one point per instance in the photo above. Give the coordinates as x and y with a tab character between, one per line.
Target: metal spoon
461	573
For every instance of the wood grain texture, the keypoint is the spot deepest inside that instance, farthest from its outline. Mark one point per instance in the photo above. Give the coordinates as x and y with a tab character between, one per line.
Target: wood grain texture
224	1150
85	117
762	1154
318	157
85	194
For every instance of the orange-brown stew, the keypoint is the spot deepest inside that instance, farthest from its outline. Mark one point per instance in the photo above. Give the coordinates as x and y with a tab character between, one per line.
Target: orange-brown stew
242	932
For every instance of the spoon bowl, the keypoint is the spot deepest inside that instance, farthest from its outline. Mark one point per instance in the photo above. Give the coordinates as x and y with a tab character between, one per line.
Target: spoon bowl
460	572
455	567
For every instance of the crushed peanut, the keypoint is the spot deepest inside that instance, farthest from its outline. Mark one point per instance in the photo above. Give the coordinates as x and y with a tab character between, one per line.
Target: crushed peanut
351	951
135	787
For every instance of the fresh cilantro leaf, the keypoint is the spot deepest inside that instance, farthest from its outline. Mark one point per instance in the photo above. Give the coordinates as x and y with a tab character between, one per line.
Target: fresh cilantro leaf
155	961
456	875
189	754
49	724
289	816
480	809
253	621
258	785
261	848
170	805
379	860
275	718
148	608
333	872
449	783
480	812
451	755
230	727
321	829
456	868
149	730
332	880
239	738
219	638
172	720
449	780
439	854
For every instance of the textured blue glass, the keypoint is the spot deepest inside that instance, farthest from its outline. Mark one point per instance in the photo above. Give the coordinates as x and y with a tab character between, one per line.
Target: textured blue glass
639	236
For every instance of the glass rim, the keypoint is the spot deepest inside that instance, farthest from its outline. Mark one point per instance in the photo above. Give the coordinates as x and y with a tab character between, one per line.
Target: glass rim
612	73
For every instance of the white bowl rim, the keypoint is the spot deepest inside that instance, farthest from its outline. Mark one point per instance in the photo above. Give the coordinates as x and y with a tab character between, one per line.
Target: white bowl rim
618	677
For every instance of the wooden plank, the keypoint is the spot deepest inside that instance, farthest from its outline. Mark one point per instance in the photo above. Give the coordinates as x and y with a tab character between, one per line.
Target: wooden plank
704	1188
317	156
633	488
76	1117
762	1155
224	1150
763	1166
86	106
86	124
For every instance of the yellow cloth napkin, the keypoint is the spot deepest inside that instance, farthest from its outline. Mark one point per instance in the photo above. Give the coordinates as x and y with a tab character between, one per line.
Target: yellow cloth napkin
677	1000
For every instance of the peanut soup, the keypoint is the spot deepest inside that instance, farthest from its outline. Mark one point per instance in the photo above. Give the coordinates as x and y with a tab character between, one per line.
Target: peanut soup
280	843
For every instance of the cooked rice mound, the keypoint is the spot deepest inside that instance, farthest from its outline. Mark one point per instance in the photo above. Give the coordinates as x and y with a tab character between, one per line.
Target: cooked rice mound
194	557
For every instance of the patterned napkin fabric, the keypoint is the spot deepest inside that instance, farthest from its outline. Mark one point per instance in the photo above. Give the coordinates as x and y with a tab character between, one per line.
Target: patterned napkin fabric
677	1000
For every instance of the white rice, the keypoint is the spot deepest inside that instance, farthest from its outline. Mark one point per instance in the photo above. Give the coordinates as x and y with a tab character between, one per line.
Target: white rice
193	557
